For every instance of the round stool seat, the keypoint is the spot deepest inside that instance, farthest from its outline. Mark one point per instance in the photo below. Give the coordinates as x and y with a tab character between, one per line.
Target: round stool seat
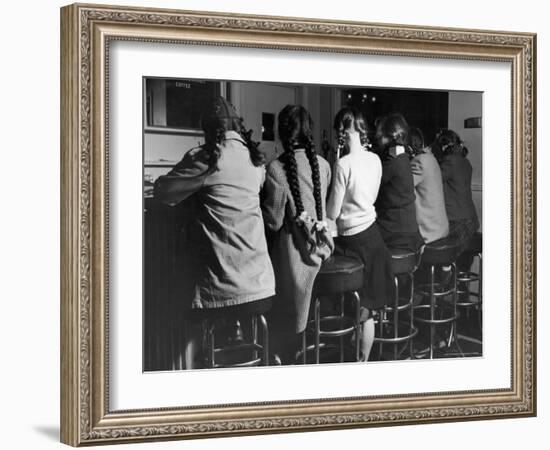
339	274
403	261
234	311
444	251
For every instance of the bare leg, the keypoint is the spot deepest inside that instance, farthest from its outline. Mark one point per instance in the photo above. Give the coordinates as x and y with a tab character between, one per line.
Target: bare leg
367	337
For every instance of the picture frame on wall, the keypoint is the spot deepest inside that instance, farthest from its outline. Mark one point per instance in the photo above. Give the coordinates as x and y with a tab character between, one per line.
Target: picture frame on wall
143	358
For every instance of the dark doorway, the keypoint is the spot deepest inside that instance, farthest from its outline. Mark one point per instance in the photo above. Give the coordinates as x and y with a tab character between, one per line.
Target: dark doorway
427	110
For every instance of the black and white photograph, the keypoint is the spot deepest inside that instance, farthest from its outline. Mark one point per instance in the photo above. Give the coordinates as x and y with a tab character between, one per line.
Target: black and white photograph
291	224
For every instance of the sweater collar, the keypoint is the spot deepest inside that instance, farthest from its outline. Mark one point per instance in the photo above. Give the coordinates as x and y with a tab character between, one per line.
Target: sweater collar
233	135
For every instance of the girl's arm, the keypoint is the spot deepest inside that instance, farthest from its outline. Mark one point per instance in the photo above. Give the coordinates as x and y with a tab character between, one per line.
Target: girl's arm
337	193
273	202
186	178
446	169
417	170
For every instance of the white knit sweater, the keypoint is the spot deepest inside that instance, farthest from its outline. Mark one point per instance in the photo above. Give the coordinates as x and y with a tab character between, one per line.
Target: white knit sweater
355	183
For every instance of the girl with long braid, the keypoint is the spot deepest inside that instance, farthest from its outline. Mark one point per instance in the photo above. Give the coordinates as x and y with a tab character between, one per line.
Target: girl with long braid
355	184
293	206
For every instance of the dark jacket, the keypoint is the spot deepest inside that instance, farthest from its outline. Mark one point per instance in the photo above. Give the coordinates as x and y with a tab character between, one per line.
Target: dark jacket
395	209
456	172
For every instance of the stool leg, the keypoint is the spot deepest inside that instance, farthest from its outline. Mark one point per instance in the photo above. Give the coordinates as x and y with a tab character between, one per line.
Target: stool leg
341	338
454	324
453	332
304	347
468	297
396	315
480	294
211	344
358	334
265	339
455	309
432	311
381	331
317	331
411	314
254	326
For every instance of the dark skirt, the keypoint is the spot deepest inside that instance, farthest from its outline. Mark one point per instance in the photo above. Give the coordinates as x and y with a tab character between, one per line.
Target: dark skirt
411	241
368	246
462	231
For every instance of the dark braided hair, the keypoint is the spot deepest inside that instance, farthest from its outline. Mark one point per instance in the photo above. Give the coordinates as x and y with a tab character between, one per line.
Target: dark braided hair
391	130
446	142
219	117
347	118
295	131
416	142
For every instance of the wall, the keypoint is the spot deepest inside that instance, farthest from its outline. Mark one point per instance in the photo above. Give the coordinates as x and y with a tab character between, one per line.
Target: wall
29	229
463	105
256	98
250	100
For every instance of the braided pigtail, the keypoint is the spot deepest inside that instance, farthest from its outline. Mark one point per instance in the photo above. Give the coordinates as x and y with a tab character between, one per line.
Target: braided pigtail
212	144
290	125
364	138
295	126
341	140
315	177
256	156
391	131
291	170
349	118
449	142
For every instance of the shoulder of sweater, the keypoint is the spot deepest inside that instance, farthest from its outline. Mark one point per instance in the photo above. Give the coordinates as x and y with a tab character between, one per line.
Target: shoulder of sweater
421	159
195	161
275	169
323	163
373	157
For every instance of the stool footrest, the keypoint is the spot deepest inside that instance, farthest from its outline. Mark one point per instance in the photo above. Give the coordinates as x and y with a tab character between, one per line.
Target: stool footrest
467	304
424	290
324	346
448	319
346	325
238	347
396	340
400	307
338	333
252	363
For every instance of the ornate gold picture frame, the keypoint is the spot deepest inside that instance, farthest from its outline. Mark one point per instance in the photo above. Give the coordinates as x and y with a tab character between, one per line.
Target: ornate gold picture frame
87	31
